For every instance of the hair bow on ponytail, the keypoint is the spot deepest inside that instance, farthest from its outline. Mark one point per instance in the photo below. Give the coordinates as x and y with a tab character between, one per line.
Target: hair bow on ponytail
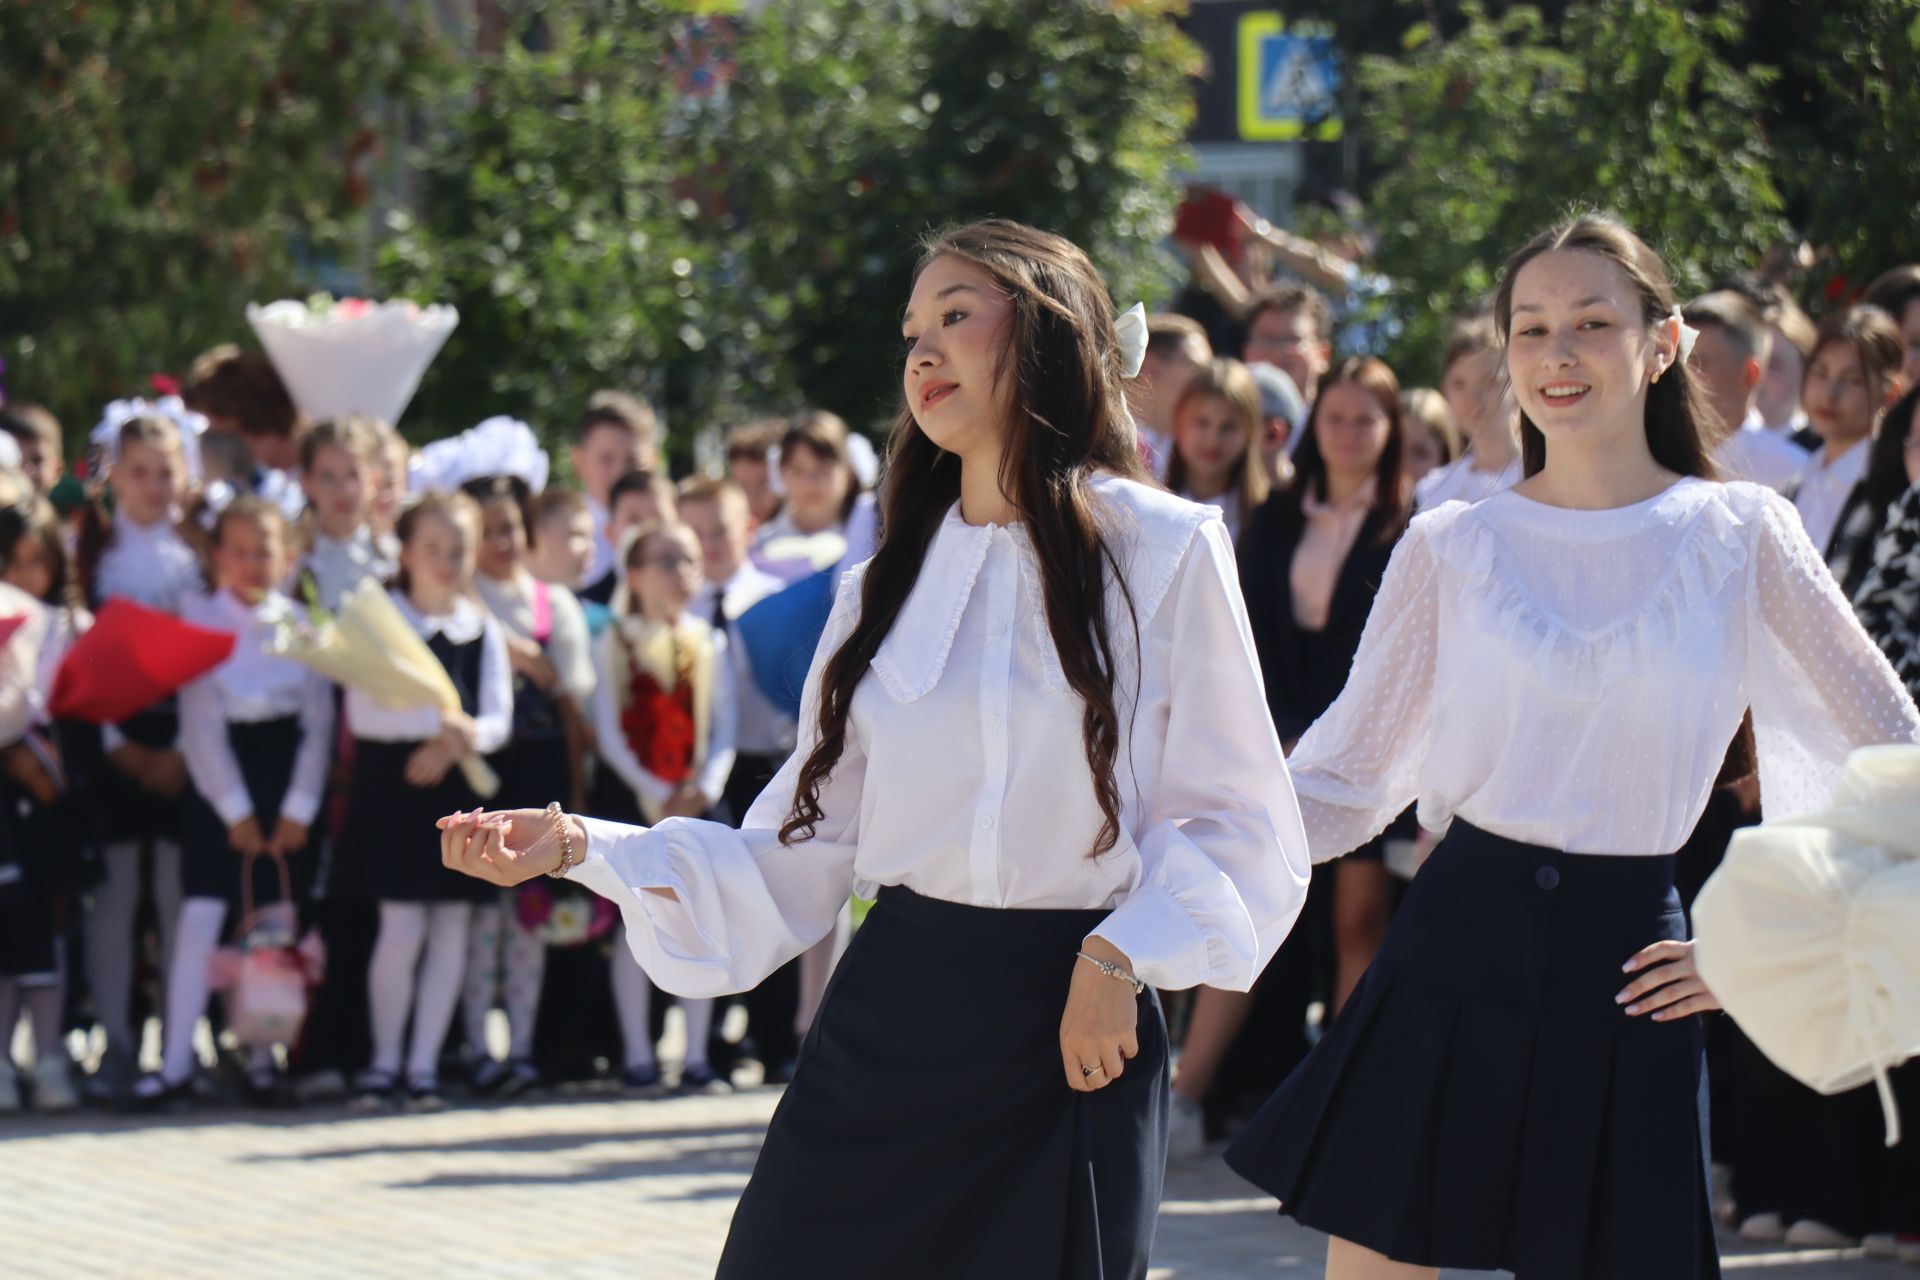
1688	334
1130	331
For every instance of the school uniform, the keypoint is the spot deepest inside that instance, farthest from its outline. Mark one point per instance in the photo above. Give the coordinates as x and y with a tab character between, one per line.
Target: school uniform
1827	488
27	938
963	802
534	767
257	733
153	566
387	850
1481	1102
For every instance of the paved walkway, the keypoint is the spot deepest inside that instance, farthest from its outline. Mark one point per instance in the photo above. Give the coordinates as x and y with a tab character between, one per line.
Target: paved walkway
574	1188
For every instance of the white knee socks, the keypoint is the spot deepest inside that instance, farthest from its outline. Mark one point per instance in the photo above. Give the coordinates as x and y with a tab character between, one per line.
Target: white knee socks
110	932
201	922
633	1002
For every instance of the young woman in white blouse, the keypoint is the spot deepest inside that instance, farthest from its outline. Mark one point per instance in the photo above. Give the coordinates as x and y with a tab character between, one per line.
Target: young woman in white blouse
1034	727
1558	671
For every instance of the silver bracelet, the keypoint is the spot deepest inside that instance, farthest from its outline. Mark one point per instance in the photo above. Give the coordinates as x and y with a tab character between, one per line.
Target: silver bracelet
1113	970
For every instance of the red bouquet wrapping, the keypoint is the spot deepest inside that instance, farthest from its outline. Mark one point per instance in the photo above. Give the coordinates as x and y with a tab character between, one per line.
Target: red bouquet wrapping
659	726
132	658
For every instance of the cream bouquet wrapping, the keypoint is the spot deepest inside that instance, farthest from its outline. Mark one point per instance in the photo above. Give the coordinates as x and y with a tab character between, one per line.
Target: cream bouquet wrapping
367	645
1809	933
351	356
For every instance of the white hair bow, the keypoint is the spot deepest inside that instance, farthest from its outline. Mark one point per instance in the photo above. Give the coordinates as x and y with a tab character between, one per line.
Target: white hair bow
1687	333
1130	331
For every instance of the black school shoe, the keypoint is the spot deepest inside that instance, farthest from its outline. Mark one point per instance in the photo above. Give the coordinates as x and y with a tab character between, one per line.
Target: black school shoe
423	1094
152	1095
375	1090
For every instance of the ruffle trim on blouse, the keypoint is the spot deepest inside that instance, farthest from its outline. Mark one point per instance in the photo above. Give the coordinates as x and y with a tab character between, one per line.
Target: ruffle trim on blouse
1581	664
914	653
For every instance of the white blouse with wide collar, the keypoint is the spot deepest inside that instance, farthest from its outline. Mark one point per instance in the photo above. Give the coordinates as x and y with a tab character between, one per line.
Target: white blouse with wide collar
965	777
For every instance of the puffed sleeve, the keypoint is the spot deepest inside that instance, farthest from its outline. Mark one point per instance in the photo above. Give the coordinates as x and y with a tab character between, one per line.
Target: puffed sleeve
1888	601
1819	685
1224	861
1358	766
744	903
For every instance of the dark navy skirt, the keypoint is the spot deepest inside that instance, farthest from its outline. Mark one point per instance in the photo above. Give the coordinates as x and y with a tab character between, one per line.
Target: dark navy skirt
209	868
929	1130
1482	1103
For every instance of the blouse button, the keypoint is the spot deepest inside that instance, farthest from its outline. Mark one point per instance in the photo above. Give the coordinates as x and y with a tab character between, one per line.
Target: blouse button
993	721
986	822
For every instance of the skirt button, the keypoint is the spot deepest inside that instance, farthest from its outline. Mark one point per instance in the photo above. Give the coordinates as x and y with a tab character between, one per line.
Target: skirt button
1547	878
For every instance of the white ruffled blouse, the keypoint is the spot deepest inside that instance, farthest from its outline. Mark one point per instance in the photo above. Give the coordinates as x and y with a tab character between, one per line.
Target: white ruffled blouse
964	776
1573	678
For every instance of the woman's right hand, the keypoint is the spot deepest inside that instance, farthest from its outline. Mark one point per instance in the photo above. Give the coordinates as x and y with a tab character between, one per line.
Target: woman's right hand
505	847
457	731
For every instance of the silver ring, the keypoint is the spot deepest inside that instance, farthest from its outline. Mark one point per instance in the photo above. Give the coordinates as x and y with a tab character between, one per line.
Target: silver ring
1086	1072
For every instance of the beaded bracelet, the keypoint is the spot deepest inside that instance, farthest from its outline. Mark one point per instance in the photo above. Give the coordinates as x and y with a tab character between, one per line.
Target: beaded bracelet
1113	970
565	830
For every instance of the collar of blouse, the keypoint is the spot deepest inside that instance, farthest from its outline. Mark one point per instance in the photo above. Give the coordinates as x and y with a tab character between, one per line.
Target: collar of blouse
1148	529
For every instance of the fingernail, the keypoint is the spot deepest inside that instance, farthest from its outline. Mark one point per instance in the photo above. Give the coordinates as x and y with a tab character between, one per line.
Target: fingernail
1627	967
1622	998
1633	1008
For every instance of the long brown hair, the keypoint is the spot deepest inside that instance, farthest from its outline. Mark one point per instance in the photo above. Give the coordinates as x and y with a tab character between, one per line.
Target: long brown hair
1677	415
1228	382
1068	422
1390	496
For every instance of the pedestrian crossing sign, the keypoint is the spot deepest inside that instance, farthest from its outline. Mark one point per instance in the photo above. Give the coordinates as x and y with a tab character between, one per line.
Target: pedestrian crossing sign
1289	84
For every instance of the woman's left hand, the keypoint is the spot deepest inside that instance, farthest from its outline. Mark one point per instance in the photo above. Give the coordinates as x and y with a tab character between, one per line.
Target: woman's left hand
1669	985
1100	1029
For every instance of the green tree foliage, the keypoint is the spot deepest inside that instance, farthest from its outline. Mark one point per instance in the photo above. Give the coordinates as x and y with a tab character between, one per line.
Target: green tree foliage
1852	162
1505	126
164	164
551	214
751	248
877	120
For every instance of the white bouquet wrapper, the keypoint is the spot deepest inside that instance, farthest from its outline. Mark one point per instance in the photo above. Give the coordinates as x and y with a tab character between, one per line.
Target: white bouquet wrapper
351	356
1809	932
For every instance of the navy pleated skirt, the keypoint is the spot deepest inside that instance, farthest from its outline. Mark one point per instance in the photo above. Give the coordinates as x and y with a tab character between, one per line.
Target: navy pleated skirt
1482	1103
929	1130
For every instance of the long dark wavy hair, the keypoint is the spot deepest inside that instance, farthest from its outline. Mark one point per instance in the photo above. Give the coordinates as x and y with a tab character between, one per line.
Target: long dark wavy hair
1677	412
1067	422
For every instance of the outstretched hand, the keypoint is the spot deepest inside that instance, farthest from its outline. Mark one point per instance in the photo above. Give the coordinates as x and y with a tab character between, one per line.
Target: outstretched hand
505	847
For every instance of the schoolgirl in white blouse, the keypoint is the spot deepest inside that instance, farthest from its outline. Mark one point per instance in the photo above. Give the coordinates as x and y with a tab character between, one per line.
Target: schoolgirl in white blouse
138	555
1557	672
257	733
1006	735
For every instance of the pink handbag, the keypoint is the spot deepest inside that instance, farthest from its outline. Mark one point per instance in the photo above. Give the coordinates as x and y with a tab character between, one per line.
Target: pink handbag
266	975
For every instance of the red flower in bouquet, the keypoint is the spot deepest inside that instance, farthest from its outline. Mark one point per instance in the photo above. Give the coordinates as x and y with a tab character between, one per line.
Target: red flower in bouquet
659	726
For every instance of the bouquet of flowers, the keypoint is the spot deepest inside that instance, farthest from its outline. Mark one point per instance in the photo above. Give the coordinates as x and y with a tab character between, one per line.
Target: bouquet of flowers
131	658
368	646
351	355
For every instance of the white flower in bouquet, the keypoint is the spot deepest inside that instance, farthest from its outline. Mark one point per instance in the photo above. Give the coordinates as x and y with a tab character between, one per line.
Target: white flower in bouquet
351	355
